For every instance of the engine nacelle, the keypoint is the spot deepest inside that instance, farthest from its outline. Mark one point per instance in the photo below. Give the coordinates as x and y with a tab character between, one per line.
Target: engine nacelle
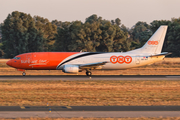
70	69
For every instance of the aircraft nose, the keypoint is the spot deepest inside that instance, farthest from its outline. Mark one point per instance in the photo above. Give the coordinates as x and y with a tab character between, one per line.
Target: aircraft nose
9	63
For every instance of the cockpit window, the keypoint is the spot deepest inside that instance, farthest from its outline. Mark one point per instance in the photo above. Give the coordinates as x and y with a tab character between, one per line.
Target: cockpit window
17	58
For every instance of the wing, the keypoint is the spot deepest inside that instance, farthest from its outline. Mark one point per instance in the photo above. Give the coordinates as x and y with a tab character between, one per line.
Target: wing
92	65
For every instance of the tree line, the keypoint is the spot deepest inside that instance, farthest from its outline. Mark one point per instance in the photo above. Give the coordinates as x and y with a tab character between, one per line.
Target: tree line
22	33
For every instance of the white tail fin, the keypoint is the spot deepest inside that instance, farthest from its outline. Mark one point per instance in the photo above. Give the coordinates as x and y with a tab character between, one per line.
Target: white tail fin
155	43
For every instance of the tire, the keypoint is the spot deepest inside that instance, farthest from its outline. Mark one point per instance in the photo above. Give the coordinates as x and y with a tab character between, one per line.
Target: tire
24	74
88	73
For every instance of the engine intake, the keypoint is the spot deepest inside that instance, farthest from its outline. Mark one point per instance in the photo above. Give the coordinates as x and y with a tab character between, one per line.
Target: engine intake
70	69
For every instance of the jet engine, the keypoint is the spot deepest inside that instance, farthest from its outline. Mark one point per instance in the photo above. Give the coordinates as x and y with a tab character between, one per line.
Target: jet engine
70	69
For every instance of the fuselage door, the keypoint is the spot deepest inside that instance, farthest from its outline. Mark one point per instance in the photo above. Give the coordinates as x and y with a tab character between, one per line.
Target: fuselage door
137	60
29	58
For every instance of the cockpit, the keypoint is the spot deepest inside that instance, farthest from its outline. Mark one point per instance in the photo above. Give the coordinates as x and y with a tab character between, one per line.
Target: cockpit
17	58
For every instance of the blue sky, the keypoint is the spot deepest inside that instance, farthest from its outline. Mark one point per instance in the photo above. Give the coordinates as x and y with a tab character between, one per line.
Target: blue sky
129	11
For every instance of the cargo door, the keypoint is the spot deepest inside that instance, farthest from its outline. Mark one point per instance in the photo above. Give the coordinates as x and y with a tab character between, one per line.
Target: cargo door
137	60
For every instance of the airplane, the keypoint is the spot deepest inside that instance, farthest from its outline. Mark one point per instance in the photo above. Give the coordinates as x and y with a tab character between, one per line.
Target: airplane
74	62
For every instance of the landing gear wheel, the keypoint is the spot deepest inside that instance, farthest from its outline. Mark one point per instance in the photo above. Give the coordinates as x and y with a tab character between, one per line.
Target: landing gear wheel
24	74
88	73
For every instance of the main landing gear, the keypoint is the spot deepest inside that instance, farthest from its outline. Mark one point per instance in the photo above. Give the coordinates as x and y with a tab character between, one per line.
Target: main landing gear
88	73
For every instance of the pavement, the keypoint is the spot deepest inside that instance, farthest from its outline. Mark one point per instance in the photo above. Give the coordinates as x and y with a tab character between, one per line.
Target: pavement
90	108
94	77
88	111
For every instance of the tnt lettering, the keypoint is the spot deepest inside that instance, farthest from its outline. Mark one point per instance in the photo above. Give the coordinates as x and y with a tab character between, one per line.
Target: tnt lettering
153	42
120	59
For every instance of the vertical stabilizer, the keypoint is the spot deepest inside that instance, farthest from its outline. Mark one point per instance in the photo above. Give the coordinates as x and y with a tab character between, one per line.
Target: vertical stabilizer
155	43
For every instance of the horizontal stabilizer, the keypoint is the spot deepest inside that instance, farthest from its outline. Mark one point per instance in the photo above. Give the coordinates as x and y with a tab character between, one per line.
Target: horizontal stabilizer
161	54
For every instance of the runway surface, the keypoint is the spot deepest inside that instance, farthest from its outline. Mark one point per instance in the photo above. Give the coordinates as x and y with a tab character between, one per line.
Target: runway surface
89	111
95	77
90	108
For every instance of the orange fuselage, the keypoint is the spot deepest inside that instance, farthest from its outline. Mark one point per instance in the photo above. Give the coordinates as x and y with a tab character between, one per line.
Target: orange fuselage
39	60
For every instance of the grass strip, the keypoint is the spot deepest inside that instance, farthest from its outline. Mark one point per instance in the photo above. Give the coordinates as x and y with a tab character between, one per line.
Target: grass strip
89	93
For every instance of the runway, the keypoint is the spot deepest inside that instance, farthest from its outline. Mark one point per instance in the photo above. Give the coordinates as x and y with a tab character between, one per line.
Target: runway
88	111
90	108
94	77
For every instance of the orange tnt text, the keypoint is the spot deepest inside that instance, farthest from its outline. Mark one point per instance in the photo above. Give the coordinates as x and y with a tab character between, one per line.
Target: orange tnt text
121	59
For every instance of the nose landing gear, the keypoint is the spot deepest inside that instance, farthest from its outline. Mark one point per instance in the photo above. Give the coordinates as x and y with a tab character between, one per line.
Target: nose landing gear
24	74
22	70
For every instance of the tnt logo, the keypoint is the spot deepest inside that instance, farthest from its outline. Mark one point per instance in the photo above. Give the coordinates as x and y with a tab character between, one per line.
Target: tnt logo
153	42
121	59
113	59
